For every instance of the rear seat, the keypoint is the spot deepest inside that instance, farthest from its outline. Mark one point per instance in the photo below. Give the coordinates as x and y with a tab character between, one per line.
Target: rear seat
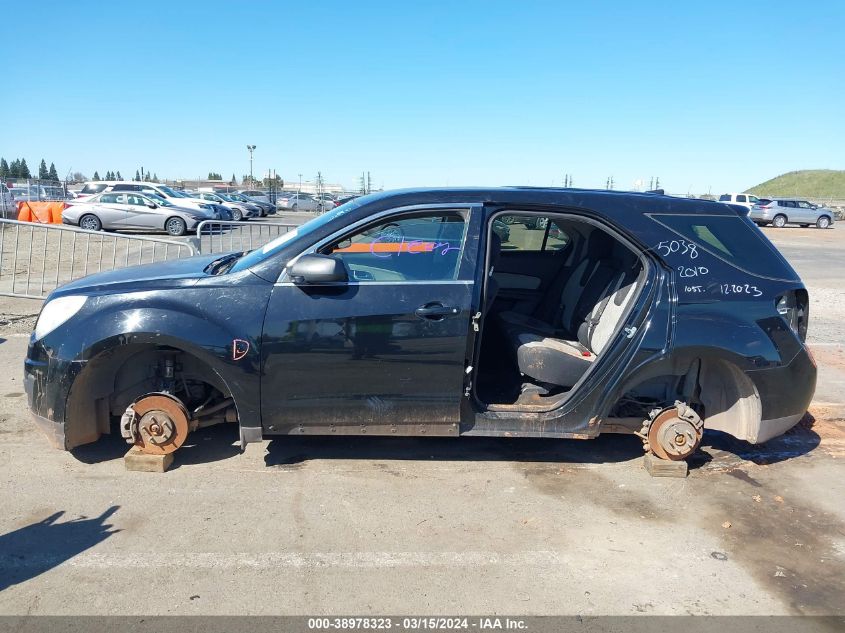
562	362
592	272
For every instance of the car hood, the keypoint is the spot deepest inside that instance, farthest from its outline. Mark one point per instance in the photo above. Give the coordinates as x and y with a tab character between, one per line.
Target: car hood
170	274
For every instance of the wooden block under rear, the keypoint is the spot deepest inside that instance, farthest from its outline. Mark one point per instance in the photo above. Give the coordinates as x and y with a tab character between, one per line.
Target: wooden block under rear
141	462
657	467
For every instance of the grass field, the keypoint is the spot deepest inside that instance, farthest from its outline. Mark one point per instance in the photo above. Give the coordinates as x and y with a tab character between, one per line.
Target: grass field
806	183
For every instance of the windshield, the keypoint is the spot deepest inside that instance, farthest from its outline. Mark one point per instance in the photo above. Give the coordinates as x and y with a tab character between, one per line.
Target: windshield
170	192
271	248
159	200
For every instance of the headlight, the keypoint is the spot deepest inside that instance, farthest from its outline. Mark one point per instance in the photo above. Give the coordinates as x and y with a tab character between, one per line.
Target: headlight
56	312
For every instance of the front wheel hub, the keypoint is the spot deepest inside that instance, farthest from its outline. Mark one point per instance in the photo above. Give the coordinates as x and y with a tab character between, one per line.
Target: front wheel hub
156	423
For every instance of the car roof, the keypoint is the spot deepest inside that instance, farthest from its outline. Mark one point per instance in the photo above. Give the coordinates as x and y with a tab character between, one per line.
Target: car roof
631	201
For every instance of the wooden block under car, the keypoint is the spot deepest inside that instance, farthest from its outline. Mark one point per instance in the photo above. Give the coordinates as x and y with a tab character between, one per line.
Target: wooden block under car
657	467
144	463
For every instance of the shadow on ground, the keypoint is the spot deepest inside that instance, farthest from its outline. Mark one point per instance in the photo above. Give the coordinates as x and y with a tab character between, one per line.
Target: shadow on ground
221	442
203	446
39	547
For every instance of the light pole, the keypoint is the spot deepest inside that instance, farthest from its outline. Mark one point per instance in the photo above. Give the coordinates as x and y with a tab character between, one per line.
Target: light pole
251	149
300	184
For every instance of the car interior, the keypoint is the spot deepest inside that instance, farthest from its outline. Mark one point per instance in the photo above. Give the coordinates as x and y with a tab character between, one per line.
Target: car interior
557	292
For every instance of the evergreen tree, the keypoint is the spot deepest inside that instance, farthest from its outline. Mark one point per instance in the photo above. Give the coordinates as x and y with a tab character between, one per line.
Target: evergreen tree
234	180
53	174
15	168
137	176
96	176
42	170
24	169
118	176
155	177
4	169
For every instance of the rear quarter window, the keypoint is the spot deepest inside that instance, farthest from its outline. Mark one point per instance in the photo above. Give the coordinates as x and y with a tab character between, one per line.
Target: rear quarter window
732	239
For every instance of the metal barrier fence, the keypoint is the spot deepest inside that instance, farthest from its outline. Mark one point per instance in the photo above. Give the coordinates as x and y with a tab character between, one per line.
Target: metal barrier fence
218	236
36	258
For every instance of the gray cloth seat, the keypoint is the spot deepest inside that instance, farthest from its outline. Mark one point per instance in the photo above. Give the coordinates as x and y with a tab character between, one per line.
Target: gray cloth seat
562	362
572	298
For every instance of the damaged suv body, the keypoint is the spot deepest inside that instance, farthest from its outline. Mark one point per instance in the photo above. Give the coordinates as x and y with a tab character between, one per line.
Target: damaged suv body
405	313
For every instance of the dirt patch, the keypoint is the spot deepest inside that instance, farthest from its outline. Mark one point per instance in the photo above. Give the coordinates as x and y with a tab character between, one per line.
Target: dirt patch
789	547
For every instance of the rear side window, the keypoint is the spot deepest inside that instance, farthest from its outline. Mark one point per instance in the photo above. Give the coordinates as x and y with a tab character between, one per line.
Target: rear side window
529	233
741	198
725	197
733	239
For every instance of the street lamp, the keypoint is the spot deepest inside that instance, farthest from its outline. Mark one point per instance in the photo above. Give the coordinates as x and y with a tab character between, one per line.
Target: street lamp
300	184
251	149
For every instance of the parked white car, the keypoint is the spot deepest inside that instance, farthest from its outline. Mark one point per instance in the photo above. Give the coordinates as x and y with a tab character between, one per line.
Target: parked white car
239	211
742	199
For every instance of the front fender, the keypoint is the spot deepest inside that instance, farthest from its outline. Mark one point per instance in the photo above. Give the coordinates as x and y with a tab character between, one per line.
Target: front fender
220	327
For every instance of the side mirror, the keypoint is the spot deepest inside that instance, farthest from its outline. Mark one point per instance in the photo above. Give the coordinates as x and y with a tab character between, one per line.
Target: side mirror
152	205
318	269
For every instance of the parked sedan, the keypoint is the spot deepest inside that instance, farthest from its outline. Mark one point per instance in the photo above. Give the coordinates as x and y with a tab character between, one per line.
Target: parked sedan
256	195
306	202
781	212
680	317
265	208
239	210
119	211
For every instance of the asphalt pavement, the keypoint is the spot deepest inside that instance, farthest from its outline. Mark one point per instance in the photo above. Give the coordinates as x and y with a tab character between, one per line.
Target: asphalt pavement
433	526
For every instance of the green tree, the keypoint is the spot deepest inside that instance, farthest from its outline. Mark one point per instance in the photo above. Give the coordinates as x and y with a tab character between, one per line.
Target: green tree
24	169
118	176
234	180
137	176
15	168
42	170
4	169
155	177
96	176
52	174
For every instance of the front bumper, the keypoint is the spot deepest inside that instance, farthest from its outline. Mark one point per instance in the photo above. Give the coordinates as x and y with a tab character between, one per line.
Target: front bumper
47	381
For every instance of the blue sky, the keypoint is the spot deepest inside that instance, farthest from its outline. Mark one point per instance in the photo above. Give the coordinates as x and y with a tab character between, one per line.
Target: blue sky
717	95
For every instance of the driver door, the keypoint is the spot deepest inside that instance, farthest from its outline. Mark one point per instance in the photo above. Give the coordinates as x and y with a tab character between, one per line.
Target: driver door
385	352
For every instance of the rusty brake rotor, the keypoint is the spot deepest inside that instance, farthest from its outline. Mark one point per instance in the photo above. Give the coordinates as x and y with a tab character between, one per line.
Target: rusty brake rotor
162	423
675	433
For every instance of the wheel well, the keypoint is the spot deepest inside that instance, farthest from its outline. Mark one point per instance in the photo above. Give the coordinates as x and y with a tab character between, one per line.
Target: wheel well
112	380
717	389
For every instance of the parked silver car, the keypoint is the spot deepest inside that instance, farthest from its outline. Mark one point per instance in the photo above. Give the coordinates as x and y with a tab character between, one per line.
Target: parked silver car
240	211
119	211
781	212
304	202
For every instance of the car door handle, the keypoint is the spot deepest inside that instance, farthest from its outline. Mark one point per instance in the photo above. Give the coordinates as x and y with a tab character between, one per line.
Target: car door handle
435	311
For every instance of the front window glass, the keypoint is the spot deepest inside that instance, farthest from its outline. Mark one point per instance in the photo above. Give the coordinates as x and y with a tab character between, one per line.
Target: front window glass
409	248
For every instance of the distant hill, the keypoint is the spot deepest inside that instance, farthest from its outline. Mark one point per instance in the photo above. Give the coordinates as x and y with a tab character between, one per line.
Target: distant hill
806	183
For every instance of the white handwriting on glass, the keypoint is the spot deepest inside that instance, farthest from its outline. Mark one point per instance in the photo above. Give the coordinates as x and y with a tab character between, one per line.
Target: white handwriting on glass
682	247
